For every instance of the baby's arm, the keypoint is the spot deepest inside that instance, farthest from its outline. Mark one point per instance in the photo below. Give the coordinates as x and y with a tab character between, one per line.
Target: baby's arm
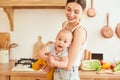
42	53
57	58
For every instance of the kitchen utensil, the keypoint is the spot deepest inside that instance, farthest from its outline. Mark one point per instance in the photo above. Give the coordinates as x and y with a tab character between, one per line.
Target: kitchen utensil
117	30
91	11
107	31
4	40
13	45
105	72
37	46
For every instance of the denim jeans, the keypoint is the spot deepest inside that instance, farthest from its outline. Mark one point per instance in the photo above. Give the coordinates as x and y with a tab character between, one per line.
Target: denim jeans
61	74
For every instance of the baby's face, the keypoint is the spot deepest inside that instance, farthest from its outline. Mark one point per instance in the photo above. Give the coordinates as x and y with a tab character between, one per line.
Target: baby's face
63	41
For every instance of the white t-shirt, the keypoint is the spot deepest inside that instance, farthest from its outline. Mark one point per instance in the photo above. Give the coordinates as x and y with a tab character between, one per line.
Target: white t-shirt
51	48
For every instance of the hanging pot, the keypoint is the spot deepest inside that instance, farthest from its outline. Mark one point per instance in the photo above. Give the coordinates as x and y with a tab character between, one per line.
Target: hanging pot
117	30
107	31
91	11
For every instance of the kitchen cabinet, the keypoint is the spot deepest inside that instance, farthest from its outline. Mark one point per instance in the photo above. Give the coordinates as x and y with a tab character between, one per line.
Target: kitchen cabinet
28	75
99	79
4	77
93	75
26	78
32	3
10	5
7	74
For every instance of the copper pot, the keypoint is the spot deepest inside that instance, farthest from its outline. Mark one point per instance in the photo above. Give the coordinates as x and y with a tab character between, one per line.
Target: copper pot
91	11
107	31
117	30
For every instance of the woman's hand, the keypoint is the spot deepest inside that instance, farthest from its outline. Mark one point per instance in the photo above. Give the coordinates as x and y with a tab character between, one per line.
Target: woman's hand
68	68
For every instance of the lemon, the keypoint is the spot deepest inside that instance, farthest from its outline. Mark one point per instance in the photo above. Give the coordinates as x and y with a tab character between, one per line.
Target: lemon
106	65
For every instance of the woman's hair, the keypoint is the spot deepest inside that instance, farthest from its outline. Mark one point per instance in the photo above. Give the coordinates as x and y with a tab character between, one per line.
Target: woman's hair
81	2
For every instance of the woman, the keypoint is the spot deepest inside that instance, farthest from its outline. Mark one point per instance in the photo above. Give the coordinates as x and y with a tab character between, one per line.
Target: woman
74	9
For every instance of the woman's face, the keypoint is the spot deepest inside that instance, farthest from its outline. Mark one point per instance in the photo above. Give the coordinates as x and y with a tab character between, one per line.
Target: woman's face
73	12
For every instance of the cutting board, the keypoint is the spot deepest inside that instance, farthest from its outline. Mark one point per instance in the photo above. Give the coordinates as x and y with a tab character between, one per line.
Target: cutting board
107	71
4	40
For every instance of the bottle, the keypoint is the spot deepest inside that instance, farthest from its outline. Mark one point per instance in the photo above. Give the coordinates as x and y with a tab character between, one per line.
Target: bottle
37	46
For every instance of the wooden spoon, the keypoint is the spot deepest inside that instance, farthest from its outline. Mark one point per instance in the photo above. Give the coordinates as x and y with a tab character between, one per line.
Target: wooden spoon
91	11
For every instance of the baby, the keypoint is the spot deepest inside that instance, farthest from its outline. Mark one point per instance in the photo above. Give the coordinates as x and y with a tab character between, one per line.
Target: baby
57	50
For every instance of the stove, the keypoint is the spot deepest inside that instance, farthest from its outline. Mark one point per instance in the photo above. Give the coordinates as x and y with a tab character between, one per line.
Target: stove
24	64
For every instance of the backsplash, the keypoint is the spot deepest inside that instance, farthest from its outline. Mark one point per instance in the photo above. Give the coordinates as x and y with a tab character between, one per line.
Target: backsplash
31	23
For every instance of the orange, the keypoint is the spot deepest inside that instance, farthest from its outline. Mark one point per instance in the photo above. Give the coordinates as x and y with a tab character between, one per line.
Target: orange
106	65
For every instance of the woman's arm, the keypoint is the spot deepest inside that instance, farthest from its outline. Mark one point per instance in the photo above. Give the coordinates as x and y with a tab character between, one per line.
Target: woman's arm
78	40
61	63
58	62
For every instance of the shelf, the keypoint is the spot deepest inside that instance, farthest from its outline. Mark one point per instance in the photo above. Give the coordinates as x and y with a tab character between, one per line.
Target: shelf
13	3
10	5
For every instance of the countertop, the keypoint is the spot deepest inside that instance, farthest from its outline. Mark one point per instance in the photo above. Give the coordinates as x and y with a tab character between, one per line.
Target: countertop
5	70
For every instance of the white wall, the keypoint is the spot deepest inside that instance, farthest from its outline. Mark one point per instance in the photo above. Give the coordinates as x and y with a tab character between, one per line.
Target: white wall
30	23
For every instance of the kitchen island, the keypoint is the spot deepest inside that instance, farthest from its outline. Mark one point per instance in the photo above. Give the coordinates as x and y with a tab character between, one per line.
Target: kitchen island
7	74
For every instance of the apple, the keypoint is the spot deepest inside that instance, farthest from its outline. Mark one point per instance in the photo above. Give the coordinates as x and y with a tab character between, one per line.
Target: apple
112	66
102	62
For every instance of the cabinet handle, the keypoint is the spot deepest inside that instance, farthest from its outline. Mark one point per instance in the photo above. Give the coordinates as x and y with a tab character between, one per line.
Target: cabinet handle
37	79
97	79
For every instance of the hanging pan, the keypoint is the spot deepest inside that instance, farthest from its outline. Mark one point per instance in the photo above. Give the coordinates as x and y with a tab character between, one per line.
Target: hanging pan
91	11
117	30
107	31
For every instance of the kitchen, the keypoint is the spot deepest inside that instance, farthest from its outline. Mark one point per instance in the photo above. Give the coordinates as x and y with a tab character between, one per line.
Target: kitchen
31	23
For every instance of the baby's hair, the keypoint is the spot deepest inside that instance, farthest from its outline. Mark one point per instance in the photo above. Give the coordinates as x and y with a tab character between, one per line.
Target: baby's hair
66	31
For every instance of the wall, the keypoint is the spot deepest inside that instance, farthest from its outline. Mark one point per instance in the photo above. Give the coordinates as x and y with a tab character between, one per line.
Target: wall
31	23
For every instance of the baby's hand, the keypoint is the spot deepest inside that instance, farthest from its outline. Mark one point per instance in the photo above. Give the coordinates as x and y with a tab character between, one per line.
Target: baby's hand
48	43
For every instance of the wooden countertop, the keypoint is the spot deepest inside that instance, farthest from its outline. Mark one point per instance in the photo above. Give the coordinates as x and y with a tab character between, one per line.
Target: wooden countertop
5	70
95	75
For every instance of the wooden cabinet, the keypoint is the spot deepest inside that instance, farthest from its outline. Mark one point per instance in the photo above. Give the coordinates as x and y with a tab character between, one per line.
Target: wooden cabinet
26	78
93	75
4	77
98	79
90	79
7	74
86	79
23	3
